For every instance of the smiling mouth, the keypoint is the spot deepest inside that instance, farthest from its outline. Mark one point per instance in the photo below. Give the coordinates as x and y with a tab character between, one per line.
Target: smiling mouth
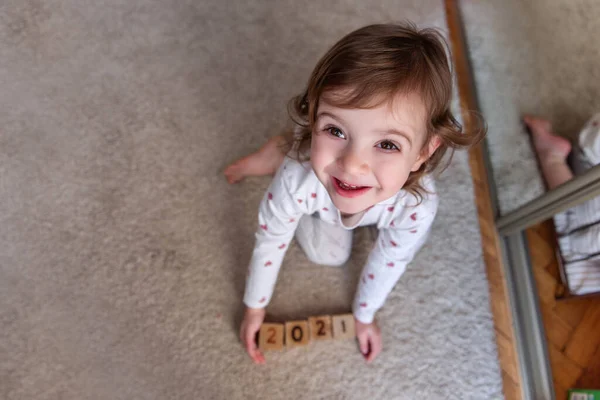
347	190
347	186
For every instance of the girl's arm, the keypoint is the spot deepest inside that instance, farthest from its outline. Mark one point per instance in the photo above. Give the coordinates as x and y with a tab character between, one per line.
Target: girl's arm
396	246
278	218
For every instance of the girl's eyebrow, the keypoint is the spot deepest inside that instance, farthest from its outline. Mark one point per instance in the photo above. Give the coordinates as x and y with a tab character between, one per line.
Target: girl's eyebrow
330	115
401	133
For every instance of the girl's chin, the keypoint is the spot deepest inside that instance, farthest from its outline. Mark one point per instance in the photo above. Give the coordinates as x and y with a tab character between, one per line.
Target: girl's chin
349	209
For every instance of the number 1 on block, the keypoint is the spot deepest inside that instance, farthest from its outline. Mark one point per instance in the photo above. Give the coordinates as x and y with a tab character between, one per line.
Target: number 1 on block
270	337
343	326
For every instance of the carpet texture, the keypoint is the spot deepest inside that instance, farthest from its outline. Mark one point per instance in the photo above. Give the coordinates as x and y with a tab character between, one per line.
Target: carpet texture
532	57
123	249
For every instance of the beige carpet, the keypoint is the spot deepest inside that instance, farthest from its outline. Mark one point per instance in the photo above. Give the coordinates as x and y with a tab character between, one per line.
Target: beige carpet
122	249
537	57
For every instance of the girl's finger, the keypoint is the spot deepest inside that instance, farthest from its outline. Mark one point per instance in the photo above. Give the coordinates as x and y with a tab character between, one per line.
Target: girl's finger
249	342
258	357
363	343
243	337
252	349
375	341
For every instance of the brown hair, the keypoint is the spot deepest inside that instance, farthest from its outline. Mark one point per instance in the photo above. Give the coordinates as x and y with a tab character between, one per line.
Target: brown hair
377	63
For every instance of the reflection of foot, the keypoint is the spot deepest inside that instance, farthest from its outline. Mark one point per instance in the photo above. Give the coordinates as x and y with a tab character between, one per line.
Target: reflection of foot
548	147
265	161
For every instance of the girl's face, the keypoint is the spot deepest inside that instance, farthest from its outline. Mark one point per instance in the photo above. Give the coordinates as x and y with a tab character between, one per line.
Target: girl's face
364	156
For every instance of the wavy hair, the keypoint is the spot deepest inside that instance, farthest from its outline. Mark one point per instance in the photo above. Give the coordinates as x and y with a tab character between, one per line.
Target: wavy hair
375	64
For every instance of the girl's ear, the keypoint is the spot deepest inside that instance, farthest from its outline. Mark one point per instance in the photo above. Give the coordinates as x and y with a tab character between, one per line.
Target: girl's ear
427	152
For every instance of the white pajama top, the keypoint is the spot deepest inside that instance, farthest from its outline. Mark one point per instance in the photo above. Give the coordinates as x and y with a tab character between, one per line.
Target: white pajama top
296	191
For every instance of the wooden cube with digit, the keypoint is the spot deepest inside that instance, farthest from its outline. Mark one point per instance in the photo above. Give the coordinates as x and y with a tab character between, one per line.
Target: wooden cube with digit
320	327
296	333
271	336
343	326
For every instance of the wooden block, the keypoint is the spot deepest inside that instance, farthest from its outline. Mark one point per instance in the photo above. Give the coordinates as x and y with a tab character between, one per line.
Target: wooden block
296	333
320	327
343	326
270	337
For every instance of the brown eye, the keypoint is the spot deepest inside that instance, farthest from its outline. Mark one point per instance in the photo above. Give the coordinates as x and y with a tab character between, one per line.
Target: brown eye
387	145
336	132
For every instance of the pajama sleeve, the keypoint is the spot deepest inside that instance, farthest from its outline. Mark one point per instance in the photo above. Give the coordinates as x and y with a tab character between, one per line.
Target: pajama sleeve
278	218
396	246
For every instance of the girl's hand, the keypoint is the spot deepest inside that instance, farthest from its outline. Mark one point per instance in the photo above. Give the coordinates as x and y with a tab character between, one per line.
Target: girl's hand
253	319
369	339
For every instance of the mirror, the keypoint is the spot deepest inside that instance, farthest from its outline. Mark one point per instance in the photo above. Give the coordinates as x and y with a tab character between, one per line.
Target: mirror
541	59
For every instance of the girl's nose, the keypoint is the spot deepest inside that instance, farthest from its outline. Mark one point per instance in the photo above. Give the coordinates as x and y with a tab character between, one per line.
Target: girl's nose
353	163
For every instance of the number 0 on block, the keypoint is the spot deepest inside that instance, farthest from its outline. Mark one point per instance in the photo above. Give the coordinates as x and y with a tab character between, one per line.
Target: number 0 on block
270	337
296	333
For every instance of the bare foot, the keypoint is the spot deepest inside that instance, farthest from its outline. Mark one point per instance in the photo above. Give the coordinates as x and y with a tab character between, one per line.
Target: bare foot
549	147
265	161
551	150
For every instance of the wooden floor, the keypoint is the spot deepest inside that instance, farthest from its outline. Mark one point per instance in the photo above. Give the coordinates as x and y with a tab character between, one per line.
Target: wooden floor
572	325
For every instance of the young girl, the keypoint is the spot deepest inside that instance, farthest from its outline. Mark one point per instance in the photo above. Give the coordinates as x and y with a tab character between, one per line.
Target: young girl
372	124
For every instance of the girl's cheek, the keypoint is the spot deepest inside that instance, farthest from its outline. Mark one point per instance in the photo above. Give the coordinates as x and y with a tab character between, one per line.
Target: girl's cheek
392	175
315	145
322	146
317	152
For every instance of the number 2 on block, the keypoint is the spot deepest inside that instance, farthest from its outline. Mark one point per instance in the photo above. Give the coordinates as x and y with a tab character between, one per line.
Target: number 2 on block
320	327
321	331
272	333
271	336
